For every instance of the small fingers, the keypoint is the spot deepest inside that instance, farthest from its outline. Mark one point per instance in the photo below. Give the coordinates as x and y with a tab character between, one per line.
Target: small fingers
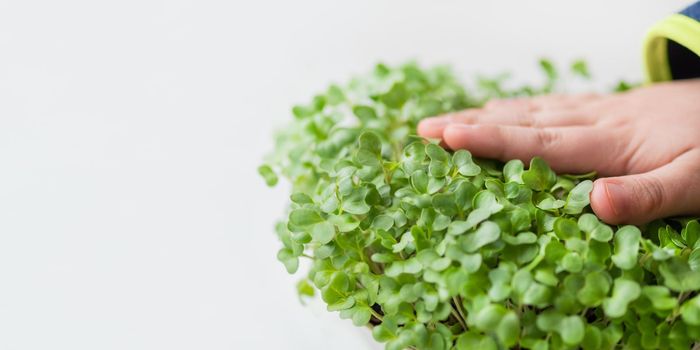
563	117
573	149
551	101
524	104
534	119
544	111
434	127
558	101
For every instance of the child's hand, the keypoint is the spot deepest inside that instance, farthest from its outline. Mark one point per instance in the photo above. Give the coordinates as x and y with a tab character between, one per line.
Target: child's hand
647	140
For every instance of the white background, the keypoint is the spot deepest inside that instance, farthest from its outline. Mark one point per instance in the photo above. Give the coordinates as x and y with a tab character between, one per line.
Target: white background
131	215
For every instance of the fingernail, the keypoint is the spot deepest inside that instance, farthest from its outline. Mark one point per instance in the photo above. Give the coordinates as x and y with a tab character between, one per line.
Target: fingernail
615	193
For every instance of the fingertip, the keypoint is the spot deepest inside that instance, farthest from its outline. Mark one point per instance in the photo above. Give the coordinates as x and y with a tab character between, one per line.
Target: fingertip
432	127
600	203
609	201
456	136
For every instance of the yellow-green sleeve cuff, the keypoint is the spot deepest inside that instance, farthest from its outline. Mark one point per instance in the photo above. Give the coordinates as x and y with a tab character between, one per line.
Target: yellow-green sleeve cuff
679	28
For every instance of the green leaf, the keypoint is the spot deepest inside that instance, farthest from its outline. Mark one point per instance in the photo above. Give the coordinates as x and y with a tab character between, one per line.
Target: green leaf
592	339
396	96
304	217
489	317
548	68
419	181
369	152
572	330
472	340
474	218
268	175
572	262
404	339
598	231
383	222
550	320
370	142
361	316
626	247
550	203
520	219
439	160
335	292
464	194
520	239
623	86
487	232
342	304
602	233
566	228
406	238
290	261
411	266
624	292
344	223
469	262
323	232
580	68
383	258
426	257
364	113
539	176
693	260
508	329
579	197
334	95
441	222
301	198
690	311
441	264
513	171
487	201
588	222
356	203
546	276
660	297
458	228
301	112
691	233
595	289
445	203
465	165
304	289
387	330
528	291
500	283
435	184
678	276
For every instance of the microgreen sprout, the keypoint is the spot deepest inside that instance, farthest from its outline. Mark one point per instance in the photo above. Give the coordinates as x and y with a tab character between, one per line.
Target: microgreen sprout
441	250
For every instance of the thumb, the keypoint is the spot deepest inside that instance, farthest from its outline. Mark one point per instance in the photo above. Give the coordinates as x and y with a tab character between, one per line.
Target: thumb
673	189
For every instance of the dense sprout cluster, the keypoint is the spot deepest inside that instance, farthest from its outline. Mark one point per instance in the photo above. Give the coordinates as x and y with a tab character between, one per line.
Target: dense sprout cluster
439	250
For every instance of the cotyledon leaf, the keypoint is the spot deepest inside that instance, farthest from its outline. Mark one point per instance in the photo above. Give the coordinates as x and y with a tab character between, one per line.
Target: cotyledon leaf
436	249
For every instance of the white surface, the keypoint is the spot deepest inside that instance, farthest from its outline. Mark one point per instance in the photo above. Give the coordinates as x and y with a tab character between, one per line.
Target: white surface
131	216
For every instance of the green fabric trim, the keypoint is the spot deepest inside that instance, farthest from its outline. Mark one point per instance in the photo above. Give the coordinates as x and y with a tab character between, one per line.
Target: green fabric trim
679	28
